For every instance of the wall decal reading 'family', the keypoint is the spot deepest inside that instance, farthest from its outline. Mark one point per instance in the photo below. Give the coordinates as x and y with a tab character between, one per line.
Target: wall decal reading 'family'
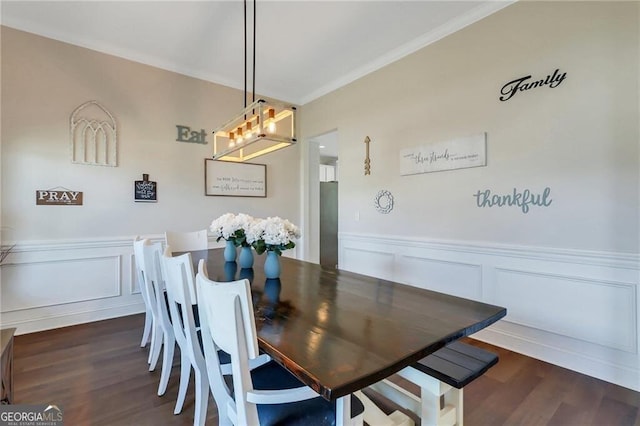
457	153
523	199
521	84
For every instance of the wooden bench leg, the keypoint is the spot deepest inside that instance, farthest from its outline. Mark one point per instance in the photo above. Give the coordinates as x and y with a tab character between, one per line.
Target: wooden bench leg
375	416
428	405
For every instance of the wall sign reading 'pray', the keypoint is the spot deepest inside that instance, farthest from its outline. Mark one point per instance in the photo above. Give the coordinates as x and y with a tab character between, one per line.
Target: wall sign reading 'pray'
521	84
523	199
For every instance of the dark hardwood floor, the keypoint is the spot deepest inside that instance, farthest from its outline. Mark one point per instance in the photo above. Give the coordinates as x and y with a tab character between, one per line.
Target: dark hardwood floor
98	374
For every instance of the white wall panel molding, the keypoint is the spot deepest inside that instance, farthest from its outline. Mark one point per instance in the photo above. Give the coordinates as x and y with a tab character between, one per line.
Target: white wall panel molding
49	284
574	308
528	294
619	260
79	244
27	285
461	279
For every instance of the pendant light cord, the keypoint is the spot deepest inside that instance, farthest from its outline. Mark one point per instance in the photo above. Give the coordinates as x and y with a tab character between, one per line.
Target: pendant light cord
245	53
254	53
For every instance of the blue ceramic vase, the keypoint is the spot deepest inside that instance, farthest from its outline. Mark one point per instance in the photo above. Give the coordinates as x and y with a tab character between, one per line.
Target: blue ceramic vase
230	252
272	265
246	257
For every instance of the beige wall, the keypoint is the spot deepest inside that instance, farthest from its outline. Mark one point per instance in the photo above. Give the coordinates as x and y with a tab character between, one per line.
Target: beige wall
43	81
579	139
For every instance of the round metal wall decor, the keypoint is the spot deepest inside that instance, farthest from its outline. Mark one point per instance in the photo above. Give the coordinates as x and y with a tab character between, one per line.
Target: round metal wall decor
383	201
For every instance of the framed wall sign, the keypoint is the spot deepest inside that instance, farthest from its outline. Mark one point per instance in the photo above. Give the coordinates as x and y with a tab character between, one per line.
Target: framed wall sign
452	154
145	190
58	197
232	179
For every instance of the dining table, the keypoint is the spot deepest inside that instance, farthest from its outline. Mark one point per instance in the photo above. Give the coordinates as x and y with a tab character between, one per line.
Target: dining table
339	331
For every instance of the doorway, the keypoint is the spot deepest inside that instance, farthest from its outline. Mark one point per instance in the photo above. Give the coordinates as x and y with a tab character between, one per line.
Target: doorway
328	202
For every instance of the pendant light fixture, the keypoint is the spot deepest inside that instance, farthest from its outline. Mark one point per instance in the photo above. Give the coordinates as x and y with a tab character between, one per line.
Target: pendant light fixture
261	127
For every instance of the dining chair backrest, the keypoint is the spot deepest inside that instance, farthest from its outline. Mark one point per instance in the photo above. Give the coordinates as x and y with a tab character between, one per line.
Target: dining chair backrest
148	319
142	273
218	308
182	297
180	270
155	273
187	241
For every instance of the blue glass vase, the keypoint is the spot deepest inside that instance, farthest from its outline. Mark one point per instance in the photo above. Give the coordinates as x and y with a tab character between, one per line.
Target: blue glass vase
246	257
272	265
230	252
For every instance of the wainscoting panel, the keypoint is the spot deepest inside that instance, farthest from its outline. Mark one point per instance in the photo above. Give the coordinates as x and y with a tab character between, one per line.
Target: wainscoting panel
572	308
456	278
583	309
28	285
51	284
370	262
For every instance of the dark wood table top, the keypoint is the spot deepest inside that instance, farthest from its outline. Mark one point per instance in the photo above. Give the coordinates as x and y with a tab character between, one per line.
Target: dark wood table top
338	331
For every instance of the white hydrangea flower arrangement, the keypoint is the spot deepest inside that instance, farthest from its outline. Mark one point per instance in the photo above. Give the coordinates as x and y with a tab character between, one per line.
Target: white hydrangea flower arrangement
232	227
272	234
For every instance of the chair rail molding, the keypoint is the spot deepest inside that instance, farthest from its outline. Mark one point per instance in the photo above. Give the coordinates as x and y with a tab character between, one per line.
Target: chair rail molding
574	308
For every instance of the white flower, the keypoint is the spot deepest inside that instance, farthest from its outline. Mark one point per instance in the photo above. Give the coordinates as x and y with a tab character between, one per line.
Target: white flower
224	226
255	231
272	233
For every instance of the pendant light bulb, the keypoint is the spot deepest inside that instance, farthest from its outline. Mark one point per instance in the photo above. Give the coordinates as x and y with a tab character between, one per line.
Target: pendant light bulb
232	140
239	139
271	127
249	130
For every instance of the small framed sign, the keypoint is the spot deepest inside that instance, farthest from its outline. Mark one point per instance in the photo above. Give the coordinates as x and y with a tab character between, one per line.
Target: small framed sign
231	179
58	197
145	191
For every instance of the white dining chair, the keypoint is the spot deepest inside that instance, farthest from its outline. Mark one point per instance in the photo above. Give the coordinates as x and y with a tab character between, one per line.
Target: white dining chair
187	241
181	294
267	395
182	299
162	335
146	288
148	315
153	263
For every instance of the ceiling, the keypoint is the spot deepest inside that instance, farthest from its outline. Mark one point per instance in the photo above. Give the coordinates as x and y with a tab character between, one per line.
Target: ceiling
304	49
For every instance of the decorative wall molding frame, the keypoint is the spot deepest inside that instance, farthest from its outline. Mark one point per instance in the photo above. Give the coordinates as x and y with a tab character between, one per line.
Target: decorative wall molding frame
573	308
94	135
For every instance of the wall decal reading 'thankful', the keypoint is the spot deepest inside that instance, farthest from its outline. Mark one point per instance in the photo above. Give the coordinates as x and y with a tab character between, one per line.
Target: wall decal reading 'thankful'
523	199
521	84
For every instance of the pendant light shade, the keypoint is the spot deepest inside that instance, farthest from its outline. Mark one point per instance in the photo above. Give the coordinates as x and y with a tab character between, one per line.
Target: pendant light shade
261	128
